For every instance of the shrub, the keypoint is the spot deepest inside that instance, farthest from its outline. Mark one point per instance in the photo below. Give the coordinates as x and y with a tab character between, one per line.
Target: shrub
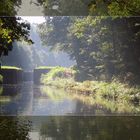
113	91
57	72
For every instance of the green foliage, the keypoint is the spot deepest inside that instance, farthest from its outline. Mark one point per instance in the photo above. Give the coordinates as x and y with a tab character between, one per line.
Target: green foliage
10	67
115	8
54	32
8	7
64	8
75	92
101	91
57	72
12	29
44	67
91	7
100	45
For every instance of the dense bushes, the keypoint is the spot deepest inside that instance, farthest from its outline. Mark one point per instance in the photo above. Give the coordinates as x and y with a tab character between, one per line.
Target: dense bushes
58	72
114	90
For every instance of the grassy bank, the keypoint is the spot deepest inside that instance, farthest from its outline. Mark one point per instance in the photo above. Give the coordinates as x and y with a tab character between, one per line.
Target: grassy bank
57	73
11	68
43	67
113	91
101	105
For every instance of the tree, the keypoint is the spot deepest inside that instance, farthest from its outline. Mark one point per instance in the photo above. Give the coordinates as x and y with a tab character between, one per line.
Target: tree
113	39
12	29
65	8
8	7
91	7
100	45
115	7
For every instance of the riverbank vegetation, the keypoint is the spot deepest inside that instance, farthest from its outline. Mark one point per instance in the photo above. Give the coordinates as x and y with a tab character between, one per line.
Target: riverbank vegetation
43	67
106	105
10	68
57	72
107	55
110	94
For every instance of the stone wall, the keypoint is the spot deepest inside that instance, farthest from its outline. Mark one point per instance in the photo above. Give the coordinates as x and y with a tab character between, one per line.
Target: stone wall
11	76
37	74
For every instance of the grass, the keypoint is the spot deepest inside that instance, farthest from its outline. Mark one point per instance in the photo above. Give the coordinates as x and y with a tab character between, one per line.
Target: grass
11	67
105	93
57	94
44	67
113	90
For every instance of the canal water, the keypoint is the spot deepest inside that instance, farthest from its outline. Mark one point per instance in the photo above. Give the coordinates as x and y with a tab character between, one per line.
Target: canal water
34	112
32	100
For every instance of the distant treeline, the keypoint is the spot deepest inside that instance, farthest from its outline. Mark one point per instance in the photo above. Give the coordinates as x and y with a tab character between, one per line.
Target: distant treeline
29	57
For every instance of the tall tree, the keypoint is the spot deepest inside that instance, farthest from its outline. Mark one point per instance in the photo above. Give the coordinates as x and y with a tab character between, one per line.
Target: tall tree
8	7
100	45
115	7
12	29
91	7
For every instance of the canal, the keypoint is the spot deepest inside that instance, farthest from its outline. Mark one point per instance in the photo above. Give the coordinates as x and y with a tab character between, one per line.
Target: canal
28	99
28	111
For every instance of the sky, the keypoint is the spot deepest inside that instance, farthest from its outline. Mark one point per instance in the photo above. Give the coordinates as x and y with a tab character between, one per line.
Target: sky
34	19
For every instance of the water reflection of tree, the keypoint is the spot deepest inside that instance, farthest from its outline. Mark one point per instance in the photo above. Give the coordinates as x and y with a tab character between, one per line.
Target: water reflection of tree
14	128
89	128
87	109
72	128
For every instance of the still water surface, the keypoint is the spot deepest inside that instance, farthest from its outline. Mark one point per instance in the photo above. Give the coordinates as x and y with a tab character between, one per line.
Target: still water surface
30	100
29	112
70	128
